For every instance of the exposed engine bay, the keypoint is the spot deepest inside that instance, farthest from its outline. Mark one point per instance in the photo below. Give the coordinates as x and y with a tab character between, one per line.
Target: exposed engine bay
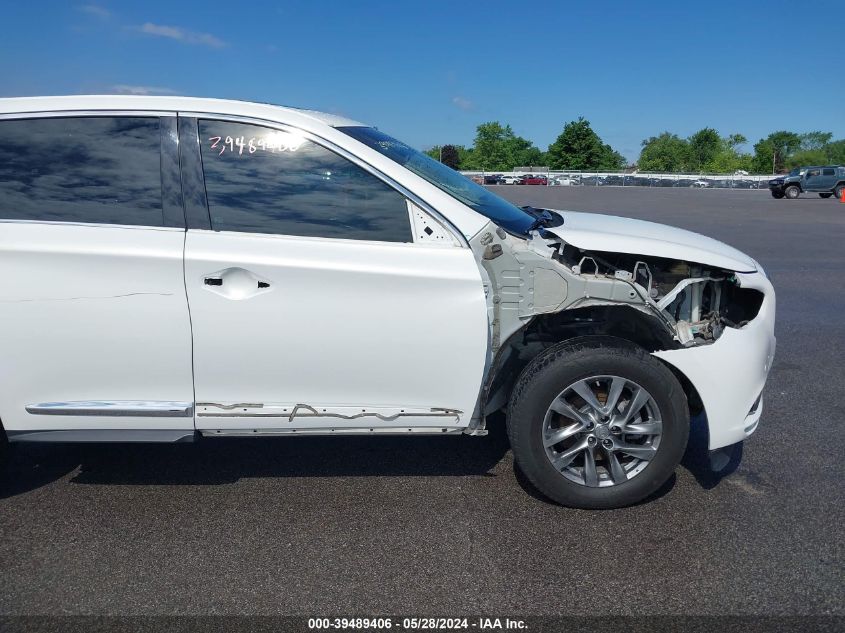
698	301
692	302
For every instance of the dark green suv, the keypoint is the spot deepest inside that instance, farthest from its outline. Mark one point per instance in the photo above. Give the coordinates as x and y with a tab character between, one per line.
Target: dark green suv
827	181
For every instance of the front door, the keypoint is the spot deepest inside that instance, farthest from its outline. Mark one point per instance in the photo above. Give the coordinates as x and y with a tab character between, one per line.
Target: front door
313	308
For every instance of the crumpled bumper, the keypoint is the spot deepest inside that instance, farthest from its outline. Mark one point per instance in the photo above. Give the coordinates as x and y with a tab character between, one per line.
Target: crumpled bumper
730	373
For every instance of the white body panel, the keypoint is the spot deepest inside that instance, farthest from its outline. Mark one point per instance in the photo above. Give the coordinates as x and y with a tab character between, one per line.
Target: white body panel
344	326
730	373
92	314
610	233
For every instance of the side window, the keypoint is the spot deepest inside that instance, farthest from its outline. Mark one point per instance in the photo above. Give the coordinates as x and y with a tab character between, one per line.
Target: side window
812	173
83	169
261	180
828	172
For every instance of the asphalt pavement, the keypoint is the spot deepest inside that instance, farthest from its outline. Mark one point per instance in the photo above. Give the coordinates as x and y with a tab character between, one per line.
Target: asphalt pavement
445	525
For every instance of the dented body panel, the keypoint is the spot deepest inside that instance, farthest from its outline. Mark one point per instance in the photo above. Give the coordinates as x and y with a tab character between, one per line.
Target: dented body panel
597	232
729	375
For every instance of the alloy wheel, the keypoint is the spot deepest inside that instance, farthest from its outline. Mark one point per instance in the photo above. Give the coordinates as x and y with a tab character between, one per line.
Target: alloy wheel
602	431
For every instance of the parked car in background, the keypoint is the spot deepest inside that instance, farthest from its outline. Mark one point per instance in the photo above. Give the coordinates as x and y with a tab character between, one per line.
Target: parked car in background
530	179
511	179
477	179
700	184
493	179
562	181
187	279
828	181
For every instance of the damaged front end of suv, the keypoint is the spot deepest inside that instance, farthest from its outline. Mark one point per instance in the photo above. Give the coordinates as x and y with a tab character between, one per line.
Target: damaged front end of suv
701	307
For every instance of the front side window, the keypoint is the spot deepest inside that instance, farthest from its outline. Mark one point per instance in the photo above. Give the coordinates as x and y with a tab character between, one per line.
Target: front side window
261	180
103	170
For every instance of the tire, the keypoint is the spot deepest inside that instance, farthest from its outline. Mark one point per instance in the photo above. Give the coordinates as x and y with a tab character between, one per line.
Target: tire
792	192
777	195
837	192
825	195
547	380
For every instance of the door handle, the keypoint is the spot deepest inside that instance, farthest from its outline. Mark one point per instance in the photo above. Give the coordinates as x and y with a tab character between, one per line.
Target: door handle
239	283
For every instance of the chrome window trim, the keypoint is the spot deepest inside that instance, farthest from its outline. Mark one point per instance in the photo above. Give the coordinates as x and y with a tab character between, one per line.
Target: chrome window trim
42	114
98	225
319	140
115	408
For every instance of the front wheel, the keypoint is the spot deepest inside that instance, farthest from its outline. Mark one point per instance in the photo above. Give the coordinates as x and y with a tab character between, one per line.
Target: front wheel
825	195
598	423
792	192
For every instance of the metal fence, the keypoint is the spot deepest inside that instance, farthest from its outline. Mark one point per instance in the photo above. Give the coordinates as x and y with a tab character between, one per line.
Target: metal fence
639	179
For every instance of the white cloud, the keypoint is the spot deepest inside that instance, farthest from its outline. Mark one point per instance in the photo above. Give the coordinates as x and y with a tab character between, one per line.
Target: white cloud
95	10
181	35
126	89
463	103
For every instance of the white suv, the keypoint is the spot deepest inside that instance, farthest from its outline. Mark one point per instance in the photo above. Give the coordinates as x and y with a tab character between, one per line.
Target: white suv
175	268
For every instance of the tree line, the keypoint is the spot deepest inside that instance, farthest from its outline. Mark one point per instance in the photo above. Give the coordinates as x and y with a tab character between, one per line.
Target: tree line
497	148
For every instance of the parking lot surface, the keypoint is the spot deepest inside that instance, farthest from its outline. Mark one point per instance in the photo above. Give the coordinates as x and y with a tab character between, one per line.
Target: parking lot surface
443	525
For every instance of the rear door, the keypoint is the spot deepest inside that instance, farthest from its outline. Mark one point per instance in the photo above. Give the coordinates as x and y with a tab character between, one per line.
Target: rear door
828	178
320	300
94	320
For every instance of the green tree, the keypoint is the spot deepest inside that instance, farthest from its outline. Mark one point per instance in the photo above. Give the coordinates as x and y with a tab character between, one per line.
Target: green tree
815	140
772	153
497	148
735	140
666	152
728	158
455	156
836	152
579	147
704	145
451	157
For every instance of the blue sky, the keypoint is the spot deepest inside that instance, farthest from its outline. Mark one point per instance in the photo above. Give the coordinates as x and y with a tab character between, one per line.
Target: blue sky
429	71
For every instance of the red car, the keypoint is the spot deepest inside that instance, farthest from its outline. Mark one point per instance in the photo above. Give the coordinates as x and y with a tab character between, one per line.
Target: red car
535	180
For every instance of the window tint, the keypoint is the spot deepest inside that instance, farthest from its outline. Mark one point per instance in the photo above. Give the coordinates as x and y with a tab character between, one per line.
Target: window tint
828	172
261	180
86	169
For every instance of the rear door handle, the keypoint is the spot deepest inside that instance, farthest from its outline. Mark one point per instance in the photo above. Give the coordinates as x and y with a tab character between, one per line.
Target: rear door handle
213	281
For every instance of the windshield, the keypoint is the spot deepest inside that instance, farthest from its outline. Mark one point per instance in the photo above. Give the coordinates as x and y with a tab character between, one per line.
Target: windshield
795	171
502	212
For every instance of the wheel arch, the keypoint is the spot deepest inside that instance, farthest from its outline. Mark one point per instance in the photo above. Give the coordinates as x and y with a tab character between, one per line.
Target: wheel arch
623	325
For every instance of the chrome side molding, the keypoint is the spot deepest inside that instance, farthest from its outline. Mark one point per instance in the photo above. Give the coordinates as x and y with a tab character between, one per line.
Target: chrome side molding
115	408
139	436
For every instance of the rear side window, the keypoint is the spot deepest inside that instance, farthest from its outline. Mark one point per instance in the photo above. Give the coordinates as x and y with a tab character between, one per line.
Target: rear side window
828	172
104	170
261	180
